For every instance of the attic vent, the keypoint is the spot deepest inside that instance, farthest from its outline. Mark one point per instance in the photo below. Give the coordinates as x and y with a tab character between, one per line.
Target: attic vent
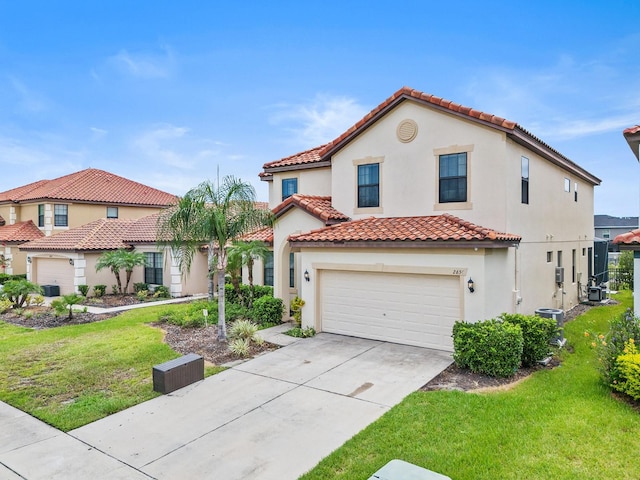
407	131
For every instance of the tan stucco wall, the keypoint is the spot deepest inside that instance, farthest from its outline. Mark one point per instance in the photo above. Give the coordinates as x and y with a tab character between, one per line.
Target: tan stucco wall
78	214
17	260
315	181
488	269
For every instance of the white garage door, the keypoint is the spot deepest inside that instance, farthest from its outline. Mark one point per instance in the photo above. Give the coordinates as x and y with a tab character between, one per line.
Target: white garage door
55	271
410	309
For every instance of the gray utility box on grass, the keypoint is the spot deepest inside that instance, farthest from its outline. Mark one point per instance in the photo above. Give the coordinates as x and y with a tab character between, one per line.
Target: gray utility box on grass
51	290
401	470
174	374
558	316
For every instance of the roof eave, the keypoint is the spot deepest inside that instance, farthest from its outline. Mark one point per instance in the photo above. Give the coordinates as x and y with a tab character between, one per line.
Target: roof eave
413	244
521	137
301	166
633	139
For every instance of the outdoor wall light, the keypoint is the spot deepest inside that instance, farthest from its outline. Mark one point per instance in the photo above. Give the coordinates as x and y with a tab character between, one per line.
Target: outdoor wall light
470	284
28	259
71	261
307	277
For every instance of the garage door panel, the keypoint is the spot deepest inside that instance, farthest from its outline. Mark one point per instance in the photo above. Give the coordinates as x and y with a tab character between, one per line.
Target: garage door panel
55	271
410	309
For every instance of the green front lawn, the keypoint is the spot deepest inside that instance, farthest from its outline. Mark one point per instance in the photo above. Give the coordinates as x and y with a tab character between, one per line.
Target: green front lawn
70	376
558	424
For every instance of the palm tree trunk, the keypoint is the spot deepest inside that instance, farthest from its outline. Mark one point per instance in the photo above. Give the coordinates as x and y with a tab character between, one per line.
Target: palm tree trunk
222	324
211	271
250	268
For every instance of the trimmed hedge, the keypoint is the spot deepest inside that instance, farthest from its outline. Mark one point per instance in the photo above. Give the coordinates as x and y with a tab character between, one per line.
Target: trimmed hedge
268	310
259	291
5	277
492	347
537	333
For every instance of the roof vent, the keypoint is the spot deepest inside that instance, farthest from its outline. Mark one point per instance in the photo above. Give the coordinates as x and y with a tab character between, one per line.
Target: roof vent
407	131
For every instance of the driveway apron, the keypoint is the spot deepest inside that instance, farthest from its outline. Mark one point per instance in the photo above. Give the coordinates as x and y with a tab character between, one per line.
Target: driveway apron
273	417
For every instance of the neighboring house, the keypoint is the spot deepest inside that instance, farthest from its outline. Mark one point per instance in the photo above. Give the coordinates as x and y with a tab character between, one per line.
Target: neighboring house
68	259
57	205
607	228
426	212
631	240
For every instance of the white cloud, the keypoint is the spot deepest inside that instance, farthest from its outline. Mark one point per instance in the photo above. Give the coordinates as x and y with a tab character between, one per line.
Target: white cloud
319	121
175	146
567	99
141	65
29	100
98	133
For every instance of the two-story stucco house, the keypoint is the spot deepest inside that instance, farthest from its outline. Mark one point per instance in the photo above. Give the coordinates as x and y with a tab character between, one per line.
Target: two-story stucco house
426	212
49	207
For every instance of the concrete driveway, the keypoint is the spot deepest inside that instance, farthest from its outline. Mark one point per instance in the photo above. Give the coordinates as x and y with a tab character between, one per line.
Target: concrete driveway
273	417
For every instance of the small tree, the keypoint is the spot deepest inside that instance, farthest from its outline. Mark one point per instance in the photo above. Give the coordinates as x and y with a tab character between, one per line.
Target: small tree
121	259
246	253
71	300
18	291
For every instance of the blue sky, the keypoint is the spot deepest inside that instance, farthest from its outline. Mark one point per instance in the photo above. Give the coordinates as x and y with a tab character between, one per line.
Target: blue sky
167	92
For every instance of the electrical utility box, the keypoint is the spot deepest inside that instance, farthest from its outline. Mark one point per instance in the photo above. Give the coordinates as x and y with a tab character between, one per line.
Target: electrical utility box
559	274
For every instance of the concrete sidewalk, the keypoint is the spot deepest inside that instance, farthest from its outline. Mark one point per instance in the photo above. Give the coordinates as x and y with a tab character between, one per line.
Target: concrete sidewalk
273	417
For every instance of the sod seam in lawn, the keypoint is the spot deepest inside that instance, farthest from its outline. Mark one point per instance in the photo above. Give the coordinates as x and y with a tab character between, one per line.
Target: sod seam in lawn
558	424
73	375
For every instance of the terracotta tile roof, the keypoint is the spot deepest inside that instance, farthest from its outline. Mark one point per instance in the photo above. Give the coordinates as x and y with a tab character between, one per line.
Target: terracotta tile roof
313	155
91	185
322	154
263	235
102	234
631	130
319	207
143	230
20	232
2	221
632	136
15	193
629	238
439	228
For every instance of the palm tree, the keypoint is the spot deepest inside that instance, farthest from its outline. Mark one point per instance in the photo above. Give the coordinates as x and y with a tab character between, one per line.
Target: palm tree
120	259
129	261
214	215
110	260
247	253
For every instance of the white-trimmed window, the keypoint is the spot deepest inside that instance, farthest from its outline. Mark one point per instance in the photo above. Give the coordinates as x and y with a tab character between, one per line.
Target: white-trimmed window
567	185
112	212
60	215
524	180
289	187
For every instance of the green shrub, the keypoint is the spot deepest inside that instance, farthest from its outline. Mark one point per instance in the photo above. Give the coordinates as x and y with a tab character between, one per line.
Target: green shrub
537	333
610	346
492	347
5	277
161	292
296	308
301	332
245	329
140	286
5	304
84	290
260	291
37	300
233	311
59	307
18	291
142	295
193	315
28	314
268	309
99	290
628	365
240	347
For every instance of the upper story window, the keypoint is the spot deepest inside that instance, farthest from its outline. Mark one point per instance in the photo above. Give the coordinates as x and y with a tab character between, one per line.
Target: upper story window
112	212
41	215
575	192
567	185
453	178
369	185
60	216
606	234
292	270
289	187
524	181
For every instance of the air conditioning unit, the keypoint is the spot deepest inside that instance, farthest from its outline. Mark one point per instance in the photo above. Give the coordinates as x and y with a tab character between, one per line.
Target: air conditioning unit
559	274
